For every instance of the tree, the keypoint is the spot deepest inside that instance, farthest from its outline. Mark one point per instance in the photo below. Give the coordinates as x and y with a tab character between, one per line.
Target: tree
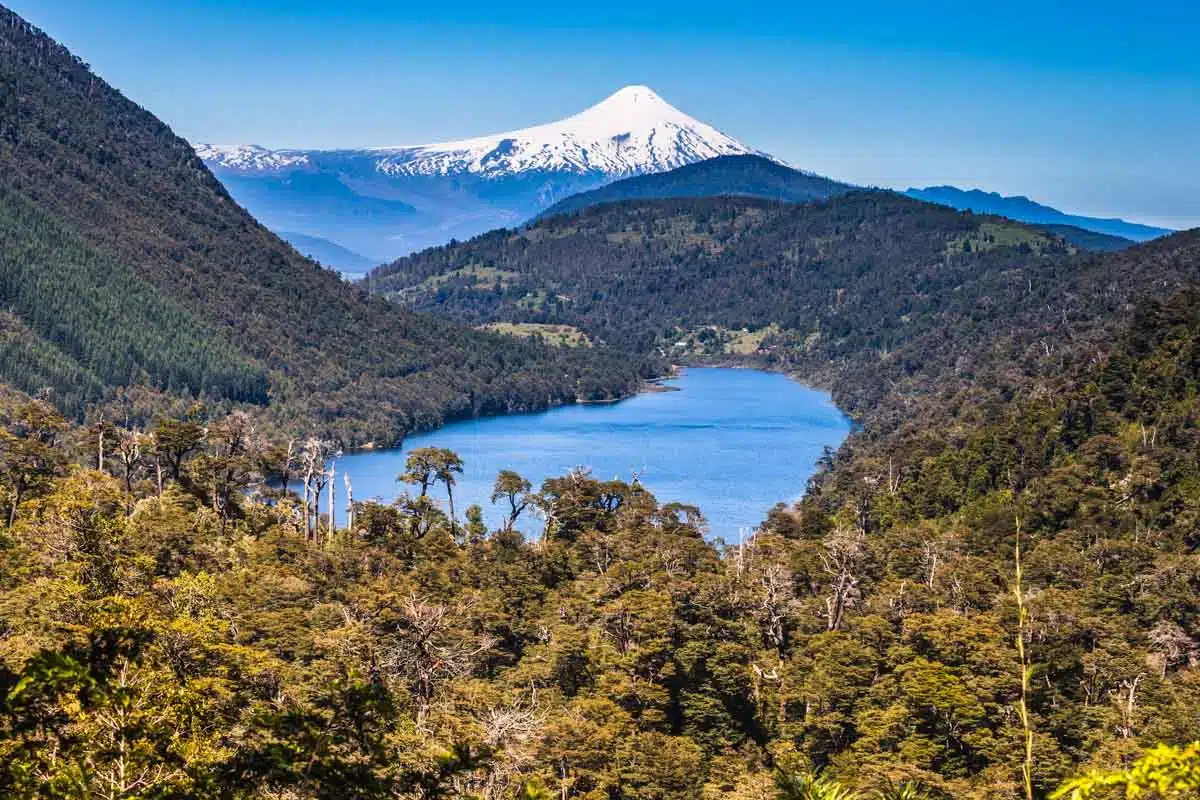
448	466
131	447
420	469
30	452
427	647
476	528
1164	772
842	556
428	465
516	491
314	455
174	440
227	467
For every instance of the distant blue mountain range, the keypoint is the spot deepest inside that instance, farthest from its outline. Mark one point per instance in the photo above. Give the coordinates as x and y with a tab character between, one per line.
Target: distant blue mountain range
1023	209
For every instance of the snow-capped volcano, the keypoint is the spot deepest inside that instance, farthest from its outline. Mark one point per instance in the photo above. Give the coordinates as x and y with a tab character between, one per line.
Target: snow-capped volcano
634	131
386	201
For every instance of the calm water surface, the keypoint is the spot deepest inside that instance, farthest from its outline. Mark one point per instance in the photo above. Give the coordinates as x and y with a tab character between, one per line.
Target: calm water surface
732	441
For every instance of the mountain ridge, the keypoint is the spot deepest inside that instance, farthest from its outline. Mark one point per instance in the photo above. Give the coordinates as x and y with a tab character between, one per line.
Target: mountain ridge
630	132
1022	209
746	175
755	176
385	202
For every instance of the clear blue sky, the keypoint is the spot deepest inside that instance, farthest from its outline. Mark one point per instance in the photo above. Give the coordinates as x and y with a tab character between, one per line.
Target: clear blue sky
1093	107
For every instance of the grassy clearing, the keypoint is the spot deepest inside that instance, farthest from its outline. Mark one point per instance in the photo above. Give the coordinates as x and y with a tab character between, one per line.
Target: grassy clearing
562	335
475	276
991	235
716	340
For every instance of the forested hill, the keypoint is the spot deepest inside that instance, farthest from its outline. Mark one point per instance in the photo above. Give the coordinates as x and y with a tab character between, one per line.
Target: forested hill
124	261
191	641
814	286
1008	387
745	175
855	292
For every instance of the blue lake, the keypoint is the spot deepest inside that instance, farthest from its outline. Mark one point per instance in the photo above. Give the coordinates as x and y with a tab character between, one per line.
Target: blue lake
732	441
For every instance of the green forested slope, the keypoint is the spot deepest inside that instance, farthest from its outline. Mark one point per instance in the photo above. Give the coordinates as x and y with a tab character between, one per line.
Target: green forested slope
745	175
855	293
132	202
868	635
117	327
630	272
30	361
1096	466
1004	382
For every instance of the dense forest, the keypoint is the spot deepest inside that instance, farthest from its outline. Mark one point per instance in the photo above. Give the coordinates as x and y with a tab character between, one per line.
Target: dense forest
855	293
1025	471
760	177
991	591
174	627
851	272
124	262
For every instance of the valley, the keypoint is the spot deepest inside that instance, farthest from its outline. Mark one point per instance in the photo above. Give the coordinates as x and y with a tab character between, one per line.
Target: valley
270	535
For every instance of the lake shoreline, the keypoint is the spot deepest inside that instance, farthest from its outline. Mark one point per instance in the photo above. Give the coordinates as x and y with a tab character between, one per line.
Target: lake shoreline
681	441
648	386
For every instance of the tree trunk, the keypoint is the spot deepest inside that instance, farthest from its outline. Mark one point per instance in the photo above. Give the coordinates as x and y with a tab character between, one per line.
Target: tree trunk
332	496
317	514
307	503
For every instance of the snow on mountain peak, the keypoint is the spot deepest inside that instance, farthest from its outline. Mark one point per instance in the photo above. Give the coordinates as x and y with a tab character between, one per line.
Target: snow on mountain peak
249	156
634	100
631	132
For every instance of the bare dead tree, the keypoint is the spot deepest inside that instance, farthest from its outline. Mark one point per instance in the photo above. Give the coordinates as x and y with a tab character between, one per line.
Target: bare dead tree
313	457
842	558
1126	700
931	559
429	647
332	495
1171	645
512	733
100	431
130	452
320	479
777	604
